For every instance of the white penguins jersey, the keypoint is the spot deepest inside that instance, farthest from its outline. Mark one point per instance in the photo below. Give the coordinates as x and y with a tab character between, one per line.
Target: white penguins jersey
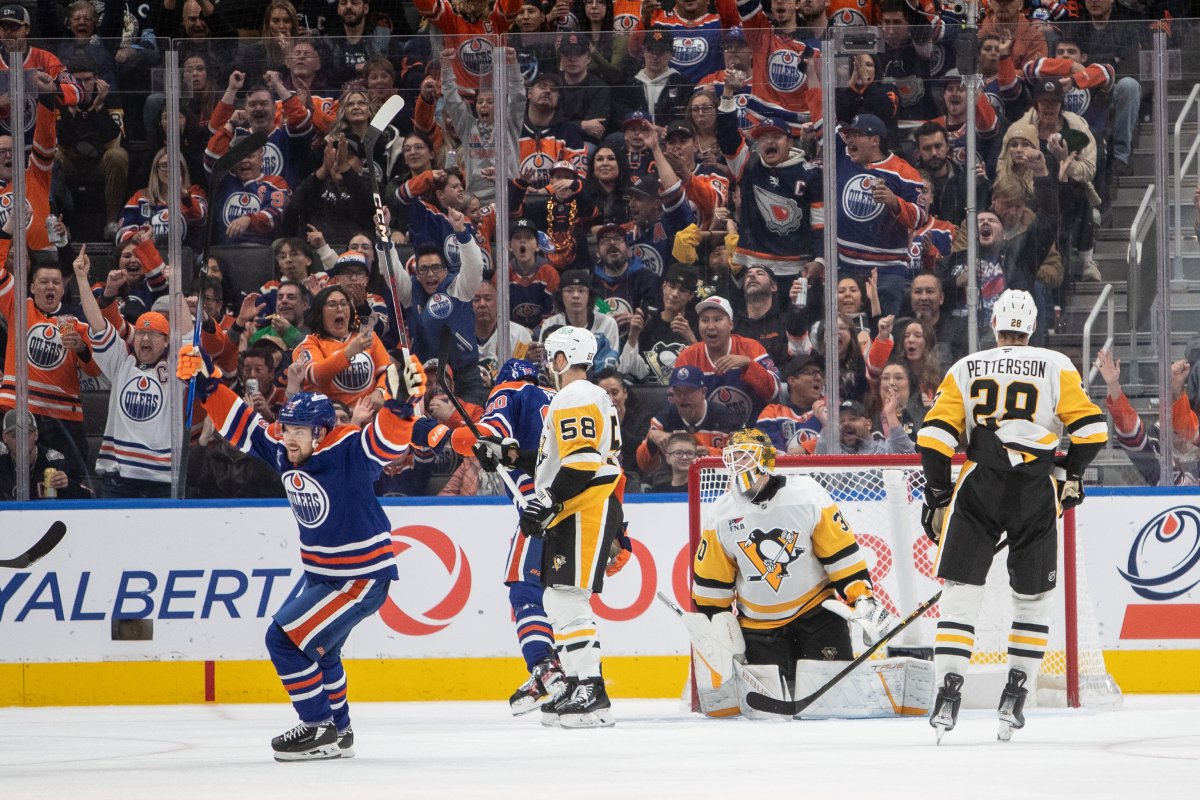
581	432
777	559
1027	395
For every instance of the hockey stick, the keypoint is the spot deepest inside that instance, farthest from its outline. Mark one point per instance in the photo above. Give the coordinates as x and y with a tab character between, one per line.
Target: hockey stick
771	705
236	152
383	117
39	549
444	344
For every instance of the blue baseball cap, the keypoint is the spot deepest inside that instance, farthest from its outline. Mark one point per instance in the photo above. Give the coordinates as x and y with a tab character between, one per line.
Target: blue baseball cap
637	118
771	124
868	124
688	377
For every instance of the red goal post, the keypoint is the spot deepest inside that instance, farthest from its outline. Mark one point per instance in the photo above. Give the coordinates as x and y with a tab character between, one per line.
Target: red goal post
881	498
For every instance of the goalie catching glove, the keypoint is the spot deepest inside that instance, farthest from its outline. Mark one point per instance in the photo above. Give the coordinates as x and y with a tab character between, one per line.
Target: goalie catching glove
538	511
875	620
492	451
933	513
404	383
195	363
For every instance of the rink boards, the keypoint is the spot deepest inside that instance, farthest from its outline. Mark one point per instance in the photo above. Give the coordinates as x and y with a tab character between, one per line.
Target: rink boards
169	602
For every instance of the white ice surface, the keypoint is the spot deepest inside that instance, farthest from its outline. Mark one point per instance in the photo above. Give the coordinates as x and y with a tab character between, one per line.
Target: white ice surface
1148	748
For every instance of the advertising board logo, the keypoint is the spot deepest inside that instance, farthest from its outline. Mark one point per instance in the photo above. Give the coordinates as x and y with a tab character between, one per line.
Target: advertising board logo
1163	559
458	571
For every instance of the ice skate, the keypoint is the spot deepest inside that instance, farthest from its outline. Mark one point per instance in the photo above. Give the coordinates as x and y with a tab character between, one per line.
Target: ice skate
1012	704
945	707
550	709
587	707
547	682
307	743
345	740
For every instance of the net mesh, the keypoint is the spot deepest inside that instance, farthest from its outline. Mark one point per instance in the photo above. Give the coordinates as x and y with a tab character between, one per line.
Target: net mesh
881	499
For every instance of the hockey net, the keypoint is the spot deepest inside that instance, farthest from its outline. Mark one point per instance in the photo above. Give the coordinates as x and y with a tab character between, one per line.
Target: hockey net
881	498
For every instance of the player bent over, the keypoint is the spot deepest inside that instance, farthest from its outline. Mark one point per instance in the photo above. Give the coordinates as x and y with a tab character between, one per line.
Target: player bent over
779	547
576	507
1011	403
328	472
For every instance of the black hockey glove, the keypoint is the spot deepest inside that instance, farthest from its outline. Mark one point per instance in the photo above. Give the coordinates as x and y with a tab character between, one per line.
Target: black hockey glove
538	512
1070	492
492	451
933	513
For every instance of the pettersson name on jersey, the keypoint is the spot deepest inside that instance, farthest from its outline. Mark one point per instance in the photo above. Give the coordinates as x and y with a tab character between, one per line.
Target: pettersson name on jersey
1007	366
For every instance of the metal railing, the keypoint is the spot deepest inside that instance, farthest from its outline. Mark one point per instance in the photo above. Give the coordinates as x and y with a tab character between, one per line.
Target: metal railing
1182	163
1106	297
1138	231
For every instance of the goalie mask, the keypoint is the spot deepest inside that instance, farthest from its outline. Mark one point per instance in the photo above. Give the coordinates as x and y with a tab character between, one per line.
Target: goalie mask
1014	311
748	456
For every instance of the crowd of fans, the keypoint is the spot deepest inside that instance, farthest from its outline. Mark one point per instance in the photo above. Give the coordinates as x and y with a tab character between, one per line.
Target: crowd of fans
666	192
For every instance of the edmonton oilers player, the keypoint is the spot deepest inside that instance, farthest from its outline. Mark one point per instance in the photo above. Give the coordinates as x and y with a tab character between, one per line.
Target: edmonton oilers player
513	419
328	472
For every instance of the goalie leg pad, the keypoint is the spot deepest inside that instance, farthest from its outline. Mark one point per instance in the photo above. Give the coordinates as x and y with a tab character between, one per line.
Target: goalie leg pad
764	679
574	624
888	688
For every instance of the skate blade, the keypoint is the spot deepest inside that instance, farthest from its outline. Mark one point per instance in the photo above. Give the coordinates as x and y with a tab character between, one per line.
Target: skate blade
551	720
527	704
593	719
1004	732
324	753
940	731
346	752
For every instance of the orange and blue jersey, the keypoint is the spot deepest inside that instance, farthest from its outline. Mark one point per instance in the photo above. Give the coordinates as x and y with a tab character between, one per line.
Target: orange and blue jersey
344	534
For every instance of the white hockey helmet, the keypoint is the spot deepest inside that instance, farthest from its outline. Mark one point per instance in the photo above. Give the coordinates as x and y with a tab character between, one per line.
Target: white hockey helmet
577	344
1014	311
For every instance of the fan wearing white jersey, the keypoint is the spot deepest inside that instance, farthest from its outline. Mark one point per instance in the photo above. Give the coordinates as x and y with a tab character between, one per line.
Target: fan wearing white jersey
1011	405
779	547
577	507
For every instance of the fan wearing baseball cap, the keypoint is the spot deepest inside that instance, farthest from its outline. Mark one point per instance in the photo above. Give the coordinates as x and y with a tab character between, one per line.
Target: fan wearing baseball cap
698	35
47	466
659	209
782	212
585	99
568	215
738	373
657	90
547	137
658	333
135	454
688	409
879	209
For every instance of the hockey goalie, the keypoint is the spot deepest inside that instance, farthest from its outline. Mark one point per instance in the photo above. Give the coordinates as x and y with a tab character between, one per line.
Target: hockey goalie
778	549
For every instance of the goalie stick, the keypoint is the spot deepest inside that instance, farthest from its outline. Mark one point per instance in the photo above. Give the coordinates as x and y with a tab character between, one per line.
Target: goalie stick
762	702
236	152
39	549
383	117
444	345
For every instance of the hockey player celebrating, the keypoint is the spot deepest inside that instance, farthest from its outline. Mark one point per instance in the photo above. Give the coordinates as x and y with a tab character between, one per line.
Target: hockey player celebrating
513	421
780	548
328	471
1011	404
577	508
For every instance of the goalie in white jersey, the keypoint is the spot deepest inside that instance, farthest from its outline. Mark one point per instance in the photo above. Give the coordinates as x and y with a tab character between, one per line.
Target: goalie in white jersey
1010	404
577	507
778	547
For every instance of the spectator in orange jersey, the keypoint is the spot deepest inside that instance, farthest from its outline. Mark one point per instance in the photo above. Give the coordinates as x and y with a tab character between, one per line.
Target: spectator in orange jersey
688	411
343	358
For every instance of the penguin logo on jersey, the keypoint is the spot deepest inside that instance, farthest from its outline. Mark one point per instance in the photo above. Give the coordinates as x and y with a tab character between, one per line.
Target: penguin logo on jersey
784	71
309	501
46	348
475	54
770	552
689	50
272	159
782	215
1163	558
239	204
440	306
357	376
859	200
661	358
141	399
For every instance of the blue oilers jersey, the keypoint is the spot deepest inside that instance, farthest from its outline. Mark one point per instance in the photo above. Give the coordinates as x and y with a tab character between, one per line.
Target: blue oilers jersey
434	312
344	533
516	410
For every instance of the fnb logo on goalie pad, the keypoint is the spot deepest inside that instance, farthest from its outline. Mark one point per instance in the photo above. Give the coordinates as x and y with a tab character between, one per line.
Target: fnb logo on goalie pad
770	553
